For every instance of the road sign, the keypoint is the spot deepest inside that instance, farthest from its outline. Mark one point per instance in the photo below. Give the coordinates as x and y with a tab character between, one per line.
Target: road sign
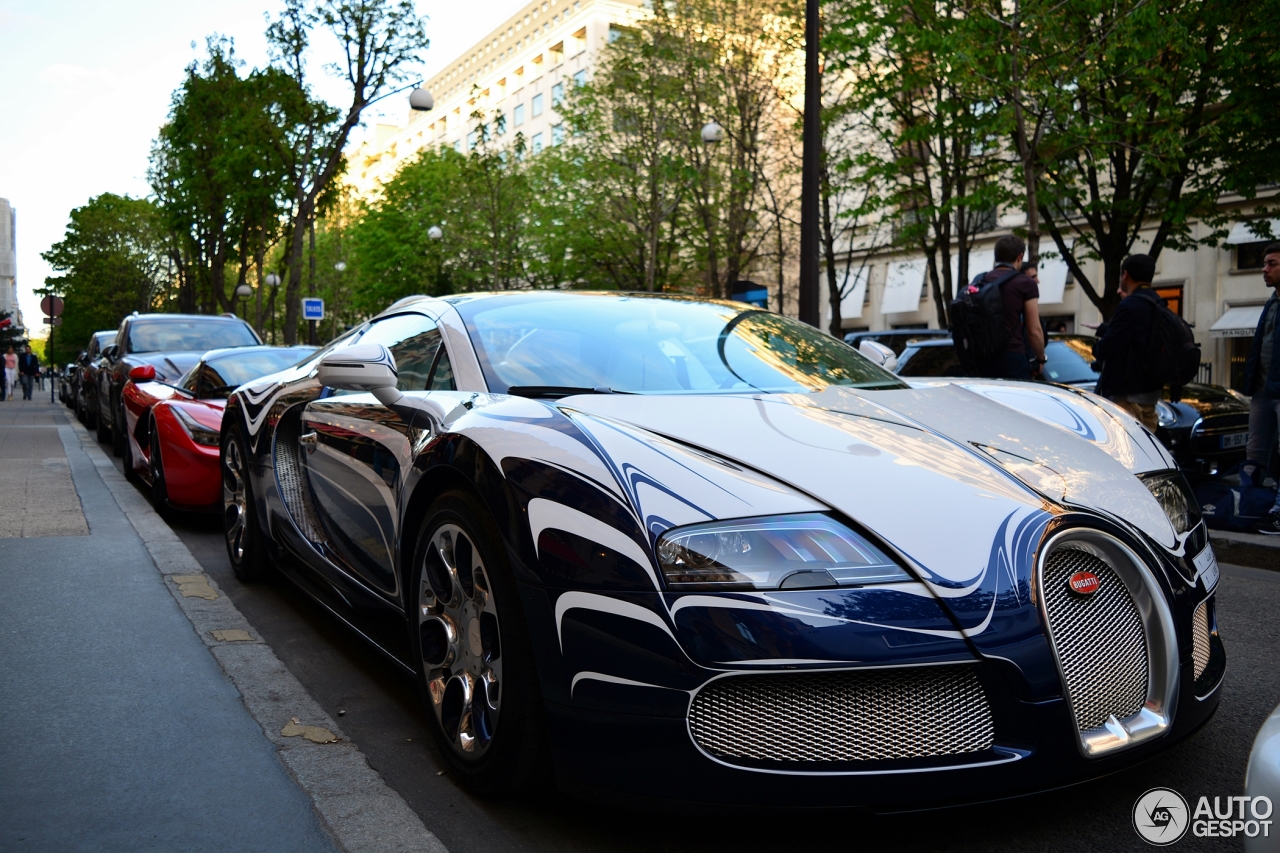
54	303
53	321
312	308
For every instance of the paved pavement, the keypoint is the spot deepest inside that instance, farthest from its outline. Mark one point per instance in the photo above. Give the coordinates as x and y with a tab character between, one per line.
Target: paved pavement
140	711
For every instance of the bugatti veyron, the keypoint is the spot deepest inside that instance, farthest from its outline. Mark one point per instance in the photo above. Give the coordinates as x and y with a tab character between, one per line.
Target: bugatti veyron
696	553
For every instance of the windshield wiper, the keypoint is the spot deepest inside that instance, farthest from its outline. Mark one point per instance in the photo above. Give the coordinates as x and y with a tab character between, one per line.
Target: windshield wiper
556	391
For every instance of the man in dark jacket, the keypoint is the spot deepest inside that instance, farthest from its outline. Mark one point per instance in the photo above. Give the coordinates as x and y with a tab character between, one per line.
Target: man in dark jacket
1128	378
1262	379
1024	354
28	370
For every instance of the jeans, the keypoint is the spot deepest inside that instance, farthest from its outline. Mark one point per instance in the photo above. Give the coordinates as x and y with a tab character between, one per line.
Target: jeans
28	383
1264	417
1011	365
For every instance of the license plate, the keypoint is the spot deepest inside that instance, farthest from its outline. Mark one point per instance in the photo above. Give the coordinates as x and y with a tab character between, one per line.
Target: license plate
1237	439
1207	567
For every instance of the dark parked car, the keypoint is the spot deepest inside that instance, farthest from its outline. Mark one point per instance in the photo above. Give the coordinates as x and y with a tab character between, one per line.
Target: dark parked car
66	385
896	339
1206	430
172	344
86	379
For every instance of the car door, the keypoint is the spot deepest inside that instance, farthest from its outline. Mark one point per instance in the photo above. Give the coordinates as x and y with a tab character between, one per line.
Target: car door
358	453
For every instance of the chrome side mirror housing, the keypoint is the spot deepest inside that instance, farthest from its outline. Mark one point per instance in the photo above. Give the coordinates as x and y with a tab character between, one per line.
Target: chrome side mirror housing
878	354
371	368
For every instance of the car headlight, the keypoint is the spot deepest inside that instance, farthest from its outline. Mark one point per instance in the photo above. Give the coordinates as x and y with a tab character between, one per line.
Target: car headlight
1166	415
199	433
800	551
1171	491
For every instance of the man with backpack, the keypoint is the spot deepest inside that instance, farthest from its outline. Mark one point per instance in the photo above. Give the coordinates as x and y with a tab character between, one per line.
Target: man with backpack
1130	377
1262	380
995	321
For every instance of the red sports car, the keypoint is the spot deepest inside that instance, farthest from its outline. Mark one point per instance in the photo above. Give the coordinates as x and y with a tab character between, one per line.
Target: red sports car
173	429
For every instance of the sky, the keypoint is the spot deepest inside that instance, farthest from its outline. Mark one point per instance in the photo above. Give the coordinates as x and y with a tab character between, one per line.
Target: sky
85	85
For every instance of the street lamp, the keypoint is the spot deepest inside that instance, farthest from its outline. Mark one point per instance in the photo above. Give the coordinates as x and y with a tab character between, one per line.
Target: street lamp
809	185
435	232
243	291
273	281
712	132
421	100
340	266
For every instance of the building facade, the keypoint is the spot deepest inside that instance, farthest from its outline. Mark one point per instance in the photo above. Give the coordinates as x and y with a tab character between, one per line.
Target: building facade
9	261
1219	290
521	69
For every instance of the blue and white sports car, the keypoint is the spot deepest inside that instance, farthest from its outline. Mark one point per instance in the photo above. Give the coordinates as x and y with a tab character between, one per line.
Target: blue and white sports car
695	553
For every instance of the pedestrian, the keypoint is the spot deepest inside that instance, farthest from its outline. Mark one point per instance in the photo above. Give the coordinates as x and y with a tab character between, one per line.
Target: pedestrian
1019	354
1128	378
29	371
1030	271
1262	381
10	372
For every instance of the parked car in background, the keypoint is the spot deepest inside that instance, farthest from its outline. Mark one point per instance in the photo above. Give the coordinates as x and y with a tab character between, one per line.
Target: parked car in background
1262	779
169	343
86	381
66	385
172	429
690	551
896	339
1206	429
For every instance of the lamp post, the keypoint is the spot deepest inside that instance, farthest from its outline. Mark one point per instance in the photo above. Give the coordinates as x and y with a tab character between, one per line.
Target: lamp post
273	281
243	291
810	187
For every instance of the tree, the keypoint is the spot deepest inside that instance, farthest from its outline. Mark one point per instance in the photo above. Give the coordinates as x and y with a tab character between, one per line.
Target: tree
929	163
379	39
114	258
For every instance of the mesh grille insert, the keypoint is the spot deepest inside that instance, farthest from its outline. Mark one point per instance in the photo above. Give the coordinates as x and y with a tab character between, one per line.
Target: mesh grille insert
1098	639
292	478
1200	638
844	716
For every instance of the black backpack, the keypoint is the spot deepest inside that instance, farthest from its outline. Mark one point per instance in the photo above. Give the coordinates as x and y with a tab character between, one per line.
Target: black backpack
1172	352
977	322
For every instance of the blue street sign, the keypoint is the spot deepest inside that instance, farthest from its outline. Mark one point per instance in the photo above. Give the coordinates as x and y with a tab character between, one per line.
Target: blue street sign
312	308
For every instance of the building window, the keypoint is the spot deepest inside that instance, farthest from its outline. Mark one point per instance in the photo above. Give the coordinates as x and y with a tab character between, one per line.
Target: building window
580	78
537	143
536	106
1249	255
557	134
518	114
457	146
557	94
500	125
471	140
1172	297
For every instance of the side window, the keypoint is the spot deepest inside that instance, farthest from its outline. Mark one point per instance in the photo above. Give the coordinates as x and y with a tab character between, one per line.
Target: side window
442	376
191	380
413	340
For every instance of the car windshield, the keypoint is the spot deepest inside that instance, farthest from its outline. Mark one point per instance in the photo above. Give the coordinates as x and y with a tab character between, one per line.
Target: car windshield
189	335
1068	360
640	344
227	372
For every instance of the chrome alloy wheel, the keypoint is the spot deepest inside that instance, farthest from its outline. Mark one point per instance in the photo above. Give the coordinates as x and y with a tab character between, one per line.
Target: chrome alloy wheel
461	649
234	506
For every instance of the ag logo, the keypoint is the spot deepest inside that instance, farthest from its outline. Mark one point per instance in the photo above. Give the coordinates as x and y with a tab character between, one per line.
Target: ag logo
1160	816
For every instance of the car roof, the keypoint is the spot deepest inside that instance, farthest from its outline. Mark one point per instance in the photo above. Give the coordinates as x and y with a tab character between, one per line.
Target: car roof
423	303
220	318
214	354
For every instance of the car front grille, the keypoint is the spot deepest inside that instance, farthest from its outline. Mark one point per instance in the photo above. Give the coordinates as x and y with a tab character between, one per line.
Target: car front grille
866	715
293	479
1099	639
1215	425
1200	648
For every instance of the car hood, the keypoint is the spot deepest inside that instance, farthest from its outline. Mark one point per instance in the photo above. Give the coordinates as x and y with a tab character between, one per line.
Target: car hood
170	366
934	471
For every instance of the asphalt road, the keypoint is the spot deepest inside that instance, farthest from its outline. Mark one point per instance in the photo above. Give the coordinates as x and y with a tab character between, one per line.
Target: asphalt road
380	711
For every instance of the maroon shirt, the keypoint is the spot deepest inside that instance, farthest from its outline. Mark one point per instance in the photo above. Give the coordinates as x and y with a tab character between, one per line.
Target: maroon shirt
1015	292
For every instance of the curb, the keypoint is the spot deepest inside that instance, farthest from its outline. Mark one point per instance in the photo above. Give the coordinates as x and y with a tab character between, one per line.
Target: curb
354	804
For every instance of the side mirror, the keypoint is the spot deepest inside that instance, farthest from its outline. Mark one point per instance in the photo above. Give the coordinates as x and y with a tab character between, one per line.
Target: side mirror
109	353
879	354
372	368
143	373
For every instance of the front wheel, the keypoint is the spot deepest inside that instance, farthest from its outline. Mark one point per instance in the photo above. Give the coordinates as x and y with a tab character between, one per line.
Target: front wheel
245	545
475	665
159	492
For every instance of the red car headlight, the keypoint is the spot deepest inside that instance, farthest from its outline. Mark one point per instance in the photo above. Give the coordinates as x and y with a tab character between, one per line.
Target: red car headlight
200	433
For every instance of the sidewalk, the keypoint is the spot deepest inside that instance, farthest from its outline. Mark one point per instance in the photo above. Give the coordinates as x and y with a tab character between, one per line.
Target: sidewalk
124	728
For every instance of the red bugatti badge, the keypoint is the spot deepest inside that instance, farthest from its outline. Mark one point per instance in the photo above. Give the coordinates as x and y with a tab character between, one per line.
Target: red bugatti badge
1084	583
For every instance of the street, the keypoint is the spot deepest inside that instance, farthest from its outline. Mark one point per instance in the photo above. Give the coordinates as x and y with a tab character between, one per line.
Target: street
378	709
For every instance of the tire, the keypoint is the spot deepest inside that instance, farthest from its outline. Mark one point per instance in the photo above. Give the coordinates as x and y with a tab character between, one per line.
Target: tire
104	431
159	493
129	473
246	546
475	663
